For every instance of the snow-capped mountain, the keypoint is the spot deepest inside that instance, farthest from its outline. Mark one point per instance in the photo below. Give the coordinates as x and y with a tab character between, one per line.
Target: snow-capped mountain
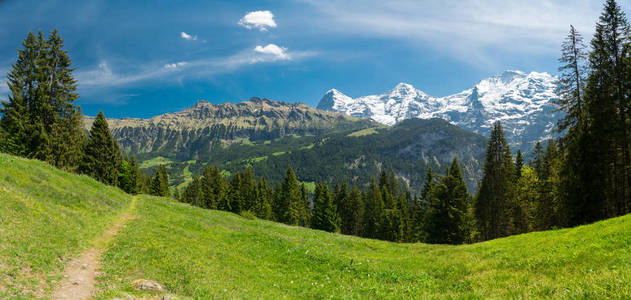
521	101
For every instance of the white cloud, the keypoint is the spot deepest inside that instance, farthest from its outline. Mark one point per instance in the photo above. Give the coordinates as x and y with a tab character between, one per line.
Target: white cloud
187	36
175	65
260	19
105	76
273	50
472	30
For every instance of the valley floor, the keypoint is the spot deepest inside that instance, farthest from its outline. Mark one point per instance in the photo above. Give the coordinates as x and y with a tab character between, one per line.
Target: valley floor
49	217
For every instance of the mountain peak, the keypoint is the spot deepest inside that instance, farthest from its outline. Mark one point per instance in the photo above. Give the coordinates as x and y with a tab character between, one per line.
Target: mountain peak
404	86
523	101
201	103
332	99
510	75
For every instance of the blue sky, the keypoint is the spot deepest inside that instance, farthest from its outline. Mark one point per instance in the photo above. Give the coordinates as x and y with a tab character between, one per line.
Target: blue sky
142	58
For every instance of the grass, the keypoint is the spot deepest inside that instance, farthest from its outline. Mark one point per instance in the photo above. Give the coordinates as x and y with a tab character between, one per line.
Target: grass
205	254
156	161
49	216
363	132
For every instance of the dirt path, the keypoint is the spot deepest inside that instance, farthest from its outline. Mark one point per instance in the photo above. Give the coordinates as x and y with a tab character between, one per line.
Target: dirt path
80	273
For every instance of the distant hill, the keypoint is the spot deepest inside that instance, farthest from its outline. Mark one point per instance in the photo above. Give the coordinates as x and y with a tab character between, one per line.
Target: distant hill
523	102
49	217
269	136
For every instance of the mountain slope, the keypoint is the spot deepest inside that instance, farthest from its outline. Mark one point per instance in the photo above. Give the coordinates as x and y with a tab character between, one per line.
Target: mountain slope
201	128
522	102
195	253
47	217
269	136
408	148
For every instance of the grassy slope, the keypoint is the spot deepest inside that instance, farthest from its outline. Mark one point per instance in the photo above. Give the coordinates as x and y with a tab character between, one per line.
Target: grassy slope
46	217
201	254
47	214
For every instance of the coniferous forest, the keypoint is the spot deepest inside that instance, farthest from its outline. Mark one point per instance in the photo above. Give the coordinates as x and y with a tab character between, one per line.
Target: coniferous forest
581	177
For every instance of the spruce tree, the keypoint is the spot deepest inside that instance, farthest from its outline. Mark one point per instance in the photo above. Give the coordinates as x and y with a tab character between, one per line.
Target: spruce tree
519	163
160	184
325	215
493	202
571	84
100	153
548	208
352	212
448	216
263	207
40	120
373	210
291	203
235	194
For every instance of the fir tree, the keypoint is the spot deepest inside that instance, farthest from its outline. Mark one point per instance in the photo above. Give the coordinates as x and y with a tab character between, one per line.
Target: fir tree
519	163
352	211
448	216
291	204
325	215
100	153
40	120
571	84
263	208
373	211
493	203
160	184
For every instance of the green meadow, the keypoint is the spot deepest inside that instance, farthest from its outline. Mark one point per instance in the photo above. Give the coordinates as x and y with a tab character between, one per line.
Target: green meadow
49	217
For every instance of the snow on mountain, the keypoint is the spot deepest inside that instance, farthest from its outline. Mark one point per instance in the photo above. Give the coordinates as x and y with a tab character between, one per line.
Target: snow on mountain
521	101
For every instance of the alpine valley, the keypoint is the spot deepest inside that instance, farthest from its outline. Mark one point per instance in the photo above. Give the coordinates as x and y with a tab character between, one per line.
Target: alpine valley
268	136
523	102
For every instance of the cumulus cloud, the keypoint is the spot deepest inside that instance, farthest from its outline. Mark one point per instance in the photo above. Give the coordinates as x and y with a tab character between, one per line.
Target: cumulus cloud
260	19
187	36
273	50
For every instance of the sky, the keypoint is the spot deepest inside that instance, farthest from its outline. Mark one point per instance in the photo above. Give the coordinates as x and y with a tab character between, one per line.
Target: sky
144	58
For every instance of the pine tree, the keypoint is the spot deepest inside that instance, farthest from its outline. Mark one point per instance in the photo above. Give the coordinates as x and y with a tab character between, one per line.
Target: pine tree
527	195
235	195
493	202
325	215
352	212
547	207
248	190
519	163
160	184
571	84
448	216
40	120
126	177
373	210
263	208
100	153
291	204
596	176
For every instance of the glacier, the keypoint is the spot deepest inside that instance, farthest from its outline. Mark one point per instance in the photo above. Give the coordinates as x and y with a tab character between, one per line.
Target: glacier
522	102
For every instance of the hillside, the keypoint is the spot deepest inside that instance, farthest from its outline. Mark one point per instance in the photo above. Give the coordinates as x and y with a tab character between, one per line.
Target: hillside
409	148
523	102
49	217
269	135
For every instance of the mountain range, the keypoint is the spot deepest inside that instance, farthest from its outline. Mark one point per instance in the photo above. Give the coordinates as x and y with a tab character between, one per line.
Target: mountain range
268	136
523	102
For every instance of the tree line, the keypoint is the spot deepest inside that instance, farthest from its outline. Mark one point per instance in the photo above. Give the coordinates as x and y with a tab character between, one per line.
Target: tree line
41	121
